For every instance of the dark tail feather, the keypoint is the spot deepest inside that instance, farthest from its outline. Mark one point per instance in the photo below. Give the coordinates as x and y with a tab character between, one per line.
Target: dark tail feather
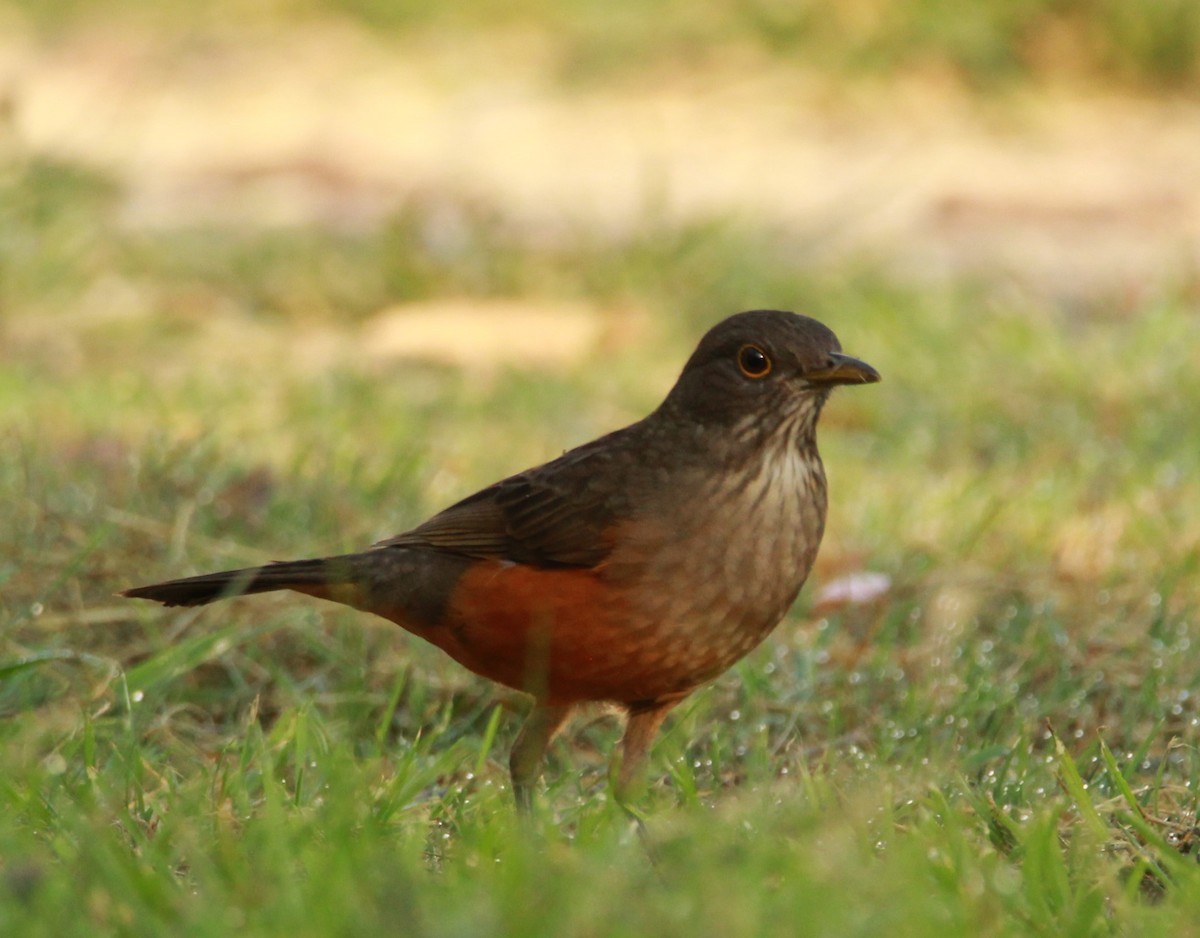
307	576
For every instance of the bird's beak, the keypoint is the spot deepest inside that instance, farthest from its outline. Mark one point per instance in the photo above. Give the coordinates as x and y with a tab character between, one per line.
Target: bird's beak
843	369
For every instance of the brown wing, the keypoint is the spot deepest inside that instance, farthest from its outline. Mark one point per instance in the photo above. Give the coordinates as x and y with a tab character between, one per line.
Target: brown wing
557	515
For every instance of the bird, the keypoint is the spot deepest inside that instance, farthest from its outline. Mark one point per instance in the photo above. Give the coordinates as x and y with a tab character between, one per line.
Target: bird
631	570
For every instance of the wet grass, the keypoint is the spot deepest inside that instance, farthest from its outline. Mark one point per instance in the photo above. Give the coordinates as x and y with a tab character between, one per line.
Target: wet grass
1003	743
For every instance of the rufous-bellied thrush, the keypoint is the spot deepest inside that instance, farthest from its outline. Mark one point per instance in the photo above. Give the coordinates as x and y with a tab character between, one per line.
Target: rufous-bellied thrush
632	569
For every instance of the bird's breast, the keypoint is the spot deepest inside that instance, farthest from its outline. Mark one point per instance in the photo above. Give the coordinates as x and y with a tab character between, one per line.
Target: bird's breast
712	574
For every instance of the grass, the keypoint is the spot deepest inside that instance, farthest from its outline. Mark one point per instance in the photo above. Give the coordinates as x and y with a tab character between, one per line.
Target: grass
1006	743
1149	45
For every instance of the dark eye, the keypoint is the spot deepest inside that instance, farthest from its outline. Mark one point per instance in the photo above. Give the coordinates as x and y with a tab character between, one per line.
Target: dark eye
753	361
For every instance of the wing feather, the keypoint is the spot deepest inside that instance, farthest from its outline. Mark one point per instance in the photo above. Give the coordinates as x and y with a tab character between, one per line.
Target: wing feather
557	515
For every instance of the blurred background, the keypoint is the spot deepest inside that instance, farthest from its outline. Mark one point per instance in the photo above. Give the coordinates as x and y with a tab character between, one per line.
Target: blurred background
279	278
284	278
1051	144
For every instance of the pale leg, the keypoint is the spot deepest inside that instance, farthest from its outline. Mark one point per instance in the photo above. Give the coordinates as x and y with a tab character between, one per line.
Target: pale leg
525	760
640	730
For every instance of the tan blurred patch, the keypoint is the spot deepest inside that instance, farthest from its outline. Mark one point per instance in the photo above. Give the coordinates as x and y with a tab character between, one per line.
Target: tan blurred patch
481	334
949	621
1086	547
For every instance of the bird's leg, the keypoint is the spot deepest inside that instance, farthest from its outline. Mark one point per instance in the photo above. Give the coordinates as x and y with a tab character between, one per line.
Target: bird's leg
525	760
640	730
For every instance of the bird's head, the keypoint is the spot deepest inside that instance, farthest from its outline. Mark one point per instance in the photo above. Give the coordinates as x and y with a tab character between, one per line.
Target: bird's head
766	369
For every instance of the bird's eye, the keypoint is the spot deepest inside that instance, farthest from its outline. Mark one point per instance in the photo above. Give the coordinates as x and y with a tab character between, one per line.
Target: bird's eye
753	361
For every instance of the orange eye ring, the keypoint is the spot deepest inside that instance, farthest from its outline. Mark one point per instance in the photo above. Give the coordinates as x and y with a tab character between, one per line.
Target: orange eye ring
753	362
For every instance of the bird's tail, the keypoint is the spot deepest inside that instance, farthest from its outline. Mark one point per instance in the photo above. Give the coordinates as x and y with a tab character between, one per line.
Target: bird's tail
306	576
